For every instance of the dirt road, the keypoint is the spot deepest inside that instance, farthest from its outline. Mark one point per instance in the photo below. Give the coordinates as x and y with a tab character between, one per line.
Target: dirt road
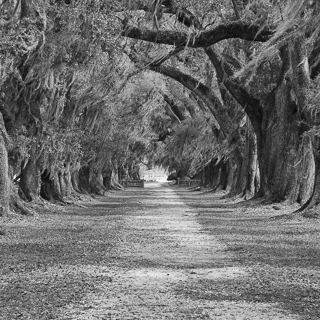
140	254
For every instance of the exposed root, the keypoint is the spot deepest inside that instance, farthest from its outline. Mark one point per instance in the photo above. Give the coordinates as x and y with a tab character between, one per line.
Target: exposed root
17	206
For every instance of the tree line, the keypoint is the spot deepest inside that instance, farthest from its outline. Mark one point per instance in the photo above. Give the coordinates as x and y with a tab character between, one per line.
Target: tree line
224	91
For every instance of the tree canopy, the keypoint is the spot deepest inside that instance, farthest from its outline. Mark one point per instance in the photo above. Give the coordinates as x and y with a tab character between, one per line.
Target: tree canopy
222	90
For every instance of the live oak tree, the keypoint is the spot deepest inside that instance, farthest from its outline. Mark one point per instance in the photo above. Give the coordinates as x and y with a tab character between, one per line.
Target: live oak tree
233	100
223	116
274	102
49	53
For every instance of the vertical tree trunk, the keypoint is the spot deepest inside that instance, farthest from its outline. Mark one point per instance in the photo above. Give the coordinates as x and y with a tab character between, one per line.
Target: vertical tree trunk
311	206
238	161
249	164
307	171
83	179
209	174
91	180
65	180
227	174
50	186
107	179
4	171
217	175
30	179
67	177
284	163
286	159
251	186
74	175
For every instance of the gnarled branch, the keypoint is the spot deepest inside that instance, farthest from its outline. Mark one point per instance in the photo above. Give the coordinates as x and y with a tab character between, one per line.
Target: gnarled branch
251	105
202	39
203	92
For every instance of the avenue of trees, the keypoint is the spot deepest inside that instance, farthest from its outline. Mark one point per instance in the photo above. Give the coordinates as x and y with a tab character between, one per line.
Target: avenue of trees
222	91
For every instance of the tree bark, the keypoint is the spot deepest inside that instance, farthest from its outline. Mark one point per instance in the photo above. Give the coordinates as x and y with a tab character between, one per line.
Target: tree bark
210	174
91	180
30	179
65	180
288	163
74	176
252	106
278	129
203	39
236	175
107	179
252	178
311	206
228	173
283	165
4	170
248	177
50	186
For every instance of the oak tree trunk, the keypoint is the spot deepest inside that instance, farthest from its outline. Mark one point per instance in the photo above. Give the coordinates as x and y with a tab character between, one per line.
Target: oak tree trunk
50	187
311	207
74	176
30	179
91	180
252	170
287	162
249	165
4	171
107	179
236	173
227	174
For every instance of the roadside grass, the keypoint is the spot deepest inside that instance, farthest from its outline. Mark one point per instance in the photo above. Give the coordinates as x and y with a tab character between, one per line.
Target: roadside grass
282	255
53	260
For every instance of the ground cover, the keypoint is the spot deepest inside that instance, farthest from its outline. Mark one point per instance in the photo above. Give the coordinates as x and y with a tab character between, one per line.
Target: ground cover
159	253
281	251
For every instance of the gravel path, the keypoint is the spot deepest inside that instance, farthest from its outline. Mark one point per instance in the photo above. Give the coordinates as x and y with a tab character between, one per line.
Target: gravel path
140	254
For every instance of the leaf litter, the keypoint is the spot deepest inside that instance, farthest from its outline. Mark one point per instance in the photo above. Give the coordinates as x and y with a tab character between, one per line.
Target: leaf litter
159	253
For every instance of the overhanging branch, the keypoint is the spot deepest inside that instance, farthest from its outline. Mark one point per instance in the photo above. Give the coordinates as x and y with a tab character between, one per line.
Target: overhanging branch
250	104
203	39
203	92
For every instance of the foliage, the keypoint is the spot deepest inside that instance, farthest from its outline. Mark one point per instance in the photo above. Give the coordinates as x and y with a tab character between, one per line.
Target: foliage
191	147
80	93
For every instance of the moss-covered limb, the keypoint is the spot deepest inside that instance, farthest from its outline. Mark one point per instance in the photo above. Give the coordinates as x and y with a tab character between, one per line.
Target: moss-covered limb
203	92
250	104
203	39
